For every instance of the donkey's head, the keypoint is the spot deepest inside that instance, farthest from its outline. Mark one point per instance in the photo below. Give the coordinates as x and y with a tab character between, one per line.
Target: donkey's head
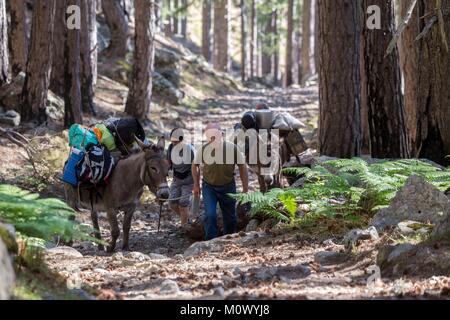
155	168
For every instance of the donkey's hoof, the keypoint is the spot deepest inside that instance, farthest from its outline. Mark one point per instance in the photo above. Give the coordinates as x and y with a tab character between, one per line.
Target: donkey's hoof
101	247
126	248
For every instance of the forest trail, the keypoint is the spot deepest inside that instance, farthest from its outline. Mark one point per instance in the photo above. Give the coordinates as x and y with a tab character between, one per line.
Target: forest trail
271	264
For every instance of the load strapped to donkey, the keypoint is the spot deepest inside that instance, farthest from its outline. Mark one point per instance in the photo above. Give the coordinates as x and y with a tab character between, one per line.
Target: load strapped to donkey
94	150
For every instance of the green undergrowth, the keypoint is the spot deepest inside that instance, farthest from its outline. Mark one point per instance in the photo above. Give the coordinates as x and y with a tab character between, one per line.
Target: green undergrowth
338	195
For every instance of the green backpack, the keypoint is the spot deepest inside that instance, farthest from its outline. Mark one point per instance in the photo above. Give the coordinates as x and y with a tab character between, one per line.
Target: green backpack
107	138
81	137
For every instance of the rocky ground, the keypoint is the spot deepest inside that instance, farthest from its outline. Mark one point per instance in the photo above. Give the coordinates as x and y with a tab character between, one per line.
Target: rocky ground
270	263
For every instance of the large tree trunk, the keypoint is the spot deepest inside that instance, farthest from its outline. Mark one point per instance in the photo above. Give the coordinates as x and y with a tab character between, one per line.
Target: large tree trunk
339	77
221	57
266	61
139	97
72	92
4	50
253	30
288	78
39	64
306	41
206	29
386	115
244	36
176	17
276	55
18	37
316	36
88	51
426	70
118	27
57	82
184	4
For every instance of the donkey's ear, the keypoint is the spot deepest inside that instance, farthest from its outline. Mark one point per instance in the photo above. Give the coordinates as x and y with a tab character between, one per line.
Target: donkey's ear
141	145
161	143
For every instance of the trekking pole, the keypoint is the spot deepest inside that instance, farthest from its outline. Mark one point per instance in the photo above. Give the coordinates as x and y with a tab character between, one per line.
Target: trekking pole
160	214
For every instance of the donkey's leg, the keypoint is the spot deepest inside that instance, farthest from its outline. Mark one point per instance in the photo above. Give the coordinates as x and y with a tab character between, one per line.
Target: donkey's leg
97	232
127	226
262	184
115	231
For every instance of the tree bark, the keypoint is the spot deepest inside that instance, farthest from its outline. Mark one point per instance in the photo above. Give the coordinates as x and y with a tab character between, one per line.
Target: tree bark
306	41
276	55
4	51
221	57
244	36
316	36
206	29
253	27
88	53
168	24
184	4
339	77
266	59
426	71
288	78
18	37
72	93
57	81
386	114
139	97
176	17
118	27
39	64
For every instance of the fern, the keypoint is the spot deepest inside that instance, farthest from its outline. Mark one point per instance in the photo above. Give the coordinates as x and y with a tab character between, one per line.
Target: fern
34	217
346	187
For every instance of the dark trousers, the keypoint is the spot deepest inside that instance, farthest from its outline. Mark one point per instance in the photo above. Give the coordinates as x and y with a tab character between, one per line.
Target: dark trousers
213	195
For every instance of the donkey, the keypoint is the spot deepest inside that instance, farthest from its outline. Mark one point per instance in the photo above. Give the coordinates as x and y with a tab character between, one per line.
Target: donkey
148	167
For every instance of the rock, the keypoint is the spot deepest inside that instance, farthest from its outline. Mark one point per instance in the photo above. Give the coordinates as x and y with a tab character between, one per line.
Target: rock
7	276
171	74
417	200
219	292
169	287
166	59
285	273
252	225
442	230
139	256
352	238
11	118
390	255
82	294
157	256
117	256
165	90
8	235
330	258
205	246
413	227
65	251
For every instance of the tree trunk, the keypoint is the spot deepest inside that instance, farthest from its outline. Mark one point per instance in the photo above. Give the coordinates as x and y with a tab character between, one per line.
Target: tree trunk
306	41
221	57
266	61
39	64
386	115
426	70
288	78
339	77
176	16
184	4
168	24
276	56
88	51
253	31
18	37
139	97
57	82
4	50
118	27
206	29
244	36
316	36
72	92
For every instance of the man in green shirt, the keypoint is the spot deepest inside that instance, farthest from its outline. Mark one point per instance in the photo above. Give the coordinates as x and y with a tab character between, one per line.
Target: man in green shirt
218	159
